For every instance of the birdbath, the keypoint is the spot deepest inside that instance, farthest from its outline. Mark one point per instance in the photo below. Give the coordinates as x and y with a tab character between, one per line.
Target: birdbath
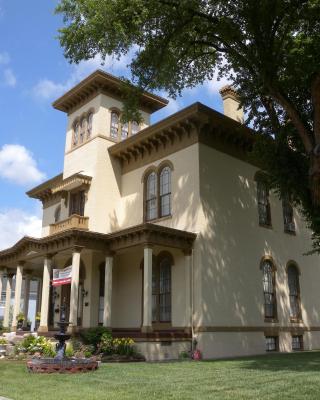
62	336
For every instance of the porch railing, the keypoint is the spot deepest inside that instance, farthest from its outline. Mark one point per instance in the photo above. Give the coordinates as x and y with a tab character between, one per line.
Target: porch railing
73	222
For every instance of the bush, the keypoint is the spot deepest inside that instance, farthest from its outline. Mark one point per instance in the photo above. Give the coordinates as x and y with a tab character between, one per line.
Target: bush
3	341
69	350
85	351
106	343
92	336
31	345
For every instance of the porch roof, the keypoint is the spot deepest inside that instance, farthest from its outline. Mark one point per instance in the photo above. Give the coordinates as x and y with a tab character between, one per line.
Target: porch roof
144	234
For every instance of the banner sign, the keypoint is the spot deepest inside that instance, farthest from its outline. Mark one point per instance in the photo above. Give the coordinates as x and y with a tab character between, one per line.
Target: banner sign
62	276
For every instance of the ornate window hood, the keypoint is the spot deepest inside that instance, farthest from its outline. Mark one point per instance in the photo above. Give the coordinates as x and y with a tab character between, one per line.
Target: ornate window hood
72	182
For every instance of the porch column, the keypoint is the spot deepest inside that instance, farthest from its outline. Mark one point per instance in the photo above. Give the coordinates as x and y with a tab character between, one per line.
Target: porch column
188	280
39	290
107	291
26	298
2	273
47	265
6	317
17	295
74	294
147	289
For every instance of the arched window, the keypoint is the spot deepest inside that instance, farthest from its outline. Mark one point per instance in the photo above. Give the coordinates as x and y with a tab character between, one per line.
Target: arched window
124	131
134	127
269	294
76	132
114	125
89	125
161	290
83	130
288	221
294	292
264	209
165	192
151	196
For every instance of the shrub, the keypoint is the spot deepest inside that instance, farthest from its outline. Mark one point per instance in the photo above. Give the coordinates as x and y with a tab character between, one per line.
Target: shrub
92	336
31	344
69	350
3	341
85	351
106	343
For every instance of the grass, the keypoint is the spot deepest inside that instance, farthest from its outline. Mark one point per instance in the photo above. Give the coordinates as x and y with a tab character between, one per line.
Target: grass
278	376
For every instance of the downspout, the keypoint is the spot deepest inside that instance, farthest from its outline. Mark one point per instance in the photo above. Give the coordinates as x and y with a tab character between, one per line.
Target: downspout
192	299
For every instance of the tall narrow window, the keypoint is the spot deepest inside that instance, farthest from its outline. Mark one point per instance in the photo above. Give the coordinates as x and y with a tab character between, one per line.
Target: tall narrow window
83	130
161	290
151	196
288	221
294	292
134	127
114	125
76	132
77	203
269	289
165	192
263	203
124	131
89	125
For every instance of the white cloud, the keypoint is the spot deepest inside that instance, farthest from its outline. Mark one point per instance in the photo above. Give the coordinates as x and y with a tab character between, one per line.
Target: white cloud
9	77
4	58
47	89
18	165
15	223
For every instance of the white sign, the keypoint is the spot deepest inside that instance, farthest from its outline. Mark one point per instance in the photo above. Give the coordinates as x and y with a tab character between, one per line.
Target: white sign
62	276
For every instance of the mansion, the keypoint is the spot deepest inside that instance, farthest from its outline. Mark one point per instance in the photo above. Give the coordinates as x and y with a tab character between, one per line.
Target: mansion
166	233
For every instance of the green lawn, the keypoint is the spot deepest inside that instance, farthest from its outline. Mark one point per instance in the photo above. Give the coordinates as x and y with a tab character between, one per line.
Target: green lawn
290	376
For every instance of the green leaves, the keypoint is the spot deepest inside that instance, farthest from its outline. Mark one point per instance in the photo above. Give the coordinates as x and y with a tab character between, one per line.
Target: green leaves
269	49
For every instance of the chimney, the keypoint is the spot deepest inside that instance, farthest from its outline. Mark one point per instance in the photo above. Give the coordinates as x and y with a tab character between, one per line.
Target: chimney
231	103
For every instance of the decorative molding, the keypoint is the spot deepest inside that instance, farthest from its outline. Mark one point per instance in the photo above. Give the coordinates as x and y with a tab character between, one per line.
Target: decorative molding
265	329
134	236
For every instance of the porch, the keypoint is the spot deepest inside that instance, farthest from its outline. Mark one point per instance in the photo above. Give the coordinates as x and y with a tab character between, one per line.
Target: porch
136	282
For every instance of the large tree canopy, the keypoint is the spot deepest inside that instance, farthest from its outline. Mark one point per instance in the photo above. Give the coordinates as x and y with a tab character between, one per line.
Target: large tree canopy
269	49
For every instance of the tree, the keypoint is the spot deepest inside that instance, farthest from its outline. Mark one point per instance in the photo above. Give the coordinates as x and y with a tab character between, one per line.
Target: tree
269	49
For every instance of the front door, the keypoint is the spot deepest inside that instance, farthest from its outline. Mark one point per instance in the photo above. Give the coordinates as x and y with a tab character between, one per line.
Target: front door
65	299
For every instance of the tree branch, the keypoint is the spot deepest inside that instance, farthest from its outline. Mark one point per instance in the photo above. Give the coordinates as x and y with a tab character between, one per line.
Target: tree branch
315	96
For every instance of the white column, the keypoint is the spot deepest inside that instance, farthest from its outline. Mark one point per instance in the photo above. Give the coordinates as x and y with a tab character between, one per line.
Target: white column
39	291
147	289
26	298
6	316
74	294
47	265
188	261
2	272
107	291
17	295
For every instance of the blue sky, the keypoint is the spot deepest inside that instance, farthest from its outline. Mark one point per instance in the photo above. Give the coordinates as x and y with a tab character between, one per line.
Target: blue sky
33	73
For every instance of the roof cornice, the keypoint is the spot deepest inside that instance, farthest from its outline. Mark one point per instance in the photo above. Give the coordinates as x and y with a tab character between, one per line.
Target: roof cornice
103	82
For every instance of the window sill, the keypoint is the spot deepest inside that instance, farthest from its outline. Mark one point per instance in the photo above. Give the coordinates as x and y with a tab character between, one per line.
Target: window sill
265	226
292	233
159	219
271	320
296	320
